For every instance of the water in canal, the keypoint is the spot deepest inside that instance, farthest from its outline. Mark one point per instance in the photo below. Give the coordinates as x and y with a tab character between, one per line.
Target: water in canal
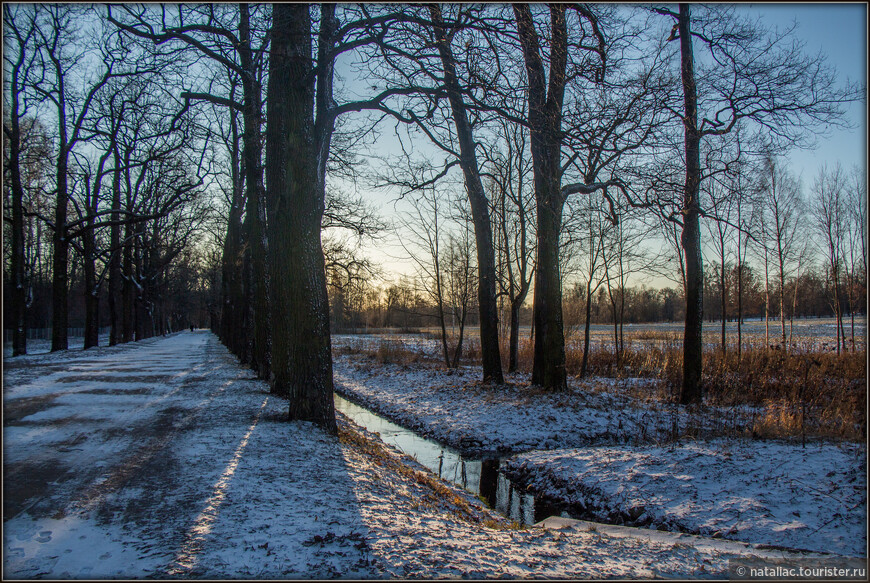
478	476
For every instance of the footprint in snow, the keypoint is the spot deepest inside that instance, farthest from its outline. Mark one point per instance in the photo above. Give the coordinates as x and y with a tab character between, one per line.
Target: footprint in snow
44	536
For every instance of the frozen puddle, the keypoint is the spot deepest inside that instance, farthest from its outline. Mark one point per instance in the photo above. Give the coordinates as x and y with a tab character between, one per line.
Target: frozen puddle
479	476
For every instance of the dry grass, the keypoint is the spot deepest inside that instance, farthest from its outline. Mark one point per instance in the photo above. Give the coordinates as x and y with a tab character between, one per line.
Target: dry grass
819	393
392	352
806	391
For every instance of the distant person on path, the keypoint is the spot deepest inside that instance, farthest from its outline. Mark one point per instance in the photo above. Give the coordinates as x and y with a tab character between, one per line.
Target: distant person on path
191	327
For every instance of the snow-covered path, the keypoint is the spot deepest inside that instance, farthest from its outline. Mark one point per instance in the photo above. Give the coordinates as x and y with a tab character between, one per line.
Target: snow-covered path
165	458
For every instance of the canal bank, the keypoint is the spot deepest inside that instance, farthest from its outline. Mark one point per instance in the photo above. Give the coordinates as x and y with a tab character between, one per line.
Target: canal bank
596	456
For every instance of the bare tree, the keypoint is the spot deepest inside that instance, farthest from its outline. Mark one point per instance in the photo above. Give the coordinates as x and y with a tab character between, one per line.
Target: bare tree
425	224
460	281
746	223
60	52
624	256
300	124
783	91
486	296
546	93
830	221
512	206
782	221
720	232
20	29
590	227
856	243
224	35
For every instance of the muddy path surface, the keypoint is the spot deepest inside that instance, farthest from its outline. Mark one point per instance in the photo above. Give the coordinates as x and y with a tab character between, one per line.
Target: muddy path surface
96	423
129	435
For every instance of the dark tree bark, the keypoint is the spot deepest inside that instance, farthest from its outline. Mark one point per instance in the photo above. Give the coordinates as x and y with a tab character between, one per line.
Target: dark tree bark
91	290
128	297
691	391
257	277
297	147
115	279
545	117
19	298
13	134
60	254
486	294
89	251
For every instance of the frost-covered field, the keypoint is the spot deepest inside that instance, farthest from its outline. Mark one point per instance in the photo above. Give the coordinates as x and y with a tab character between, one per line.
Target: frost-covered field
613	457
164	458
452	408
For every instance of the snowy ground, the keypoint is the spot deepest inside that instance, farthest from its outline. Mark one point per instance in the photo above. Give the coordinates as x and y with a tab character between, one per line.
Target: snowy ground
43	346
614	458
165	458
453	408
771	493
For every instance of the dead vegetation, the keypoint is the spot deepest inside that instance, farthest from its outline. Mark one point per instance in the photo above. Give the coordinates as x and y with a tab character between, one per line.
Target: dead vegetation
804	391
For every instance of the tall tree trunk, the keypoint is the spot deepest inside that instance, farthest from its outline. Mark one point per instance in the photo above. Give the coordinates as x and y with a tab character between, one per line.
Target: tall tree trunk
546	98
724	292
255	234
838	310
128	290
782	300
91	295
586	327
19	293
690	239
514	340
442	319
60	267
739	310
486	291
297	150
766	301
457	354
115	280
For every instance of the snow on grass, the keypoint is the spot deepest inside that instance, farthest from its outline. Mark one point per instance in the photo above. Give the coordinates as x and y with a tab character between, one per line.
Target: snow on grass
762	492
413	534
205	478
606	455
454	409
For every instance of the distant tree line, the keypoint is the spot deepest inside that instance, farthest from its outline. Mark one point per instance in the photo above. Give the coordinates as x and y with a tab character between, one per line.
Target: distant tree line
404	305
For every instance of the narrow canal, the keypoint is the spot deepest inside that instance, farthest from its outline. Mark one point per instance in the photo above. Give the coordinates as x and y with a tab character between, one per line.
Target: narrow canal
479	476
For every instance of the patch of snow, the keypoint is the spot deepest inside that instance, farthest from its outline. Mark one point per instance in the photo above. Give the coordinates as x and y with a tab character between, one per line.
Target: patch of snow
771	493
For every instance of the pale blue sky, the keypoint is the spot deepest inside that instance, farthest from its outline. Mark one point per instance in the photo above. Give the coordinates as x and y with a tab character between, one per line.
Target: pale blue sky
838	30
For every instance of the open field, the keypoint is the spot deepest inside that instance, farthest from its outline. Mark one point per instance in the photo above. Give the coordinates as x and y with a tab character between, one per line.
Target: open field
806	389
